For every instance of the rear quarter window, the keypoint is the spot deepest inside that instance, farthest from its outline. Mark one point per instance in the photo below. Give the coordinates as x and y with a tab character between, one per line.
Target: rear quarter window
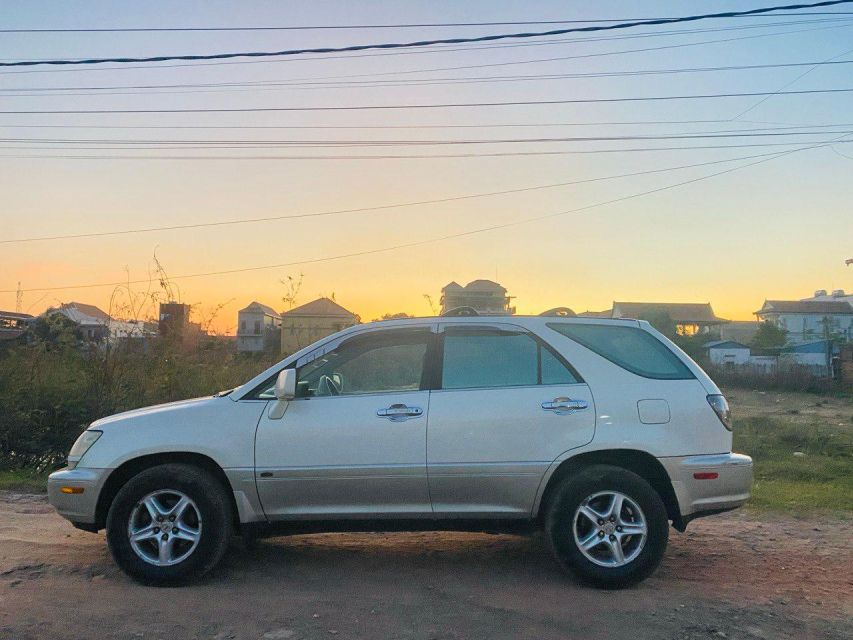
631	348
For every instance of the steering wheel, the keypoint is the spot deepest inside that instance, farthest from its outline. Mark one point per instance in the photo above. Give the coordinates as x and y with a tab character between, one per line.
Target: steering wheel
326	386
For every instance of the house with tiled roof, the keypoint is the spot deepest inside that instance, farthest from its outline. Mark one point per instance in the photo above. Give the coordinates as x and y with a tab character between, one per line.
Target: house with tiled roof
309	322
93	323
809	320
96	324
258	327
690	318
486	297
13	325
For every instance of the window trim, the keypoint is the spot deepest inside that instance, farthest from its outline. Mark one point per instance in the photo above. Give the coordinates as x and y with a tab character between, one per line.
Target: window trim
689	375
500	329
333	344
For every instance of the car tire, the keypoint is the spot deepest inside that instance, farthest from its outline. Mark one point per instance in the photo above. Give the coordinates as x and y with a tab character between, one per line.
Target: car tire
590	539
193	511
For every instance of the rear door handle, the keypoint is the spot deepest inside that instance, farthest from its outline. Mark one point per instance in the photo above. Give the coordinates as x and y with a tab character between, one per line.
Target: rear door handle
565	405
400	412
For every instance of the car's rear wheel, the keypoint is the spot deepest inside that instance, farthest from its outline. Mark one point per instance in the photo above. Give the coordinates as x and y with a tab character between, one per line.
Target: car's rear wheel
608	526
169	524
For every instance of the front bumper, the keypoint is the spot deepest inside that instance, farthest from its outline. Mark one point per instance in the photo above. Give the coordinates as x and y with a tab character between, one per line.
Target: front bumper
709	483
77	507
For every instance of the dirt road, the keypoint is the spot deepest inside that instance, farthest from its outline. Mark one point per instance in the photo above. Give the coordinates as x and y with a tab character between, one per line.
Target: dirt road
732	576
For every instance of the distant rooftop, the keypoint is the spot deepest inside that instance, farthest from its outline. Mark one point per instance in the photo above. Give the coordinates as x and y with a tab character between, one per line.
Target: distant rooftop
325	307
806	306
258	307
81	312
475	285
699	312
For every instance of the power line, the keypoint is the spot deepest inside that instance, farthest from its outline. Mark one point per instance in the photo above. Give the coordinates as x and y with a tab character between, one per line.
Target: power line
434	240
515	62
445	50
500	125
445	105
422	43
260	144
254	85
550	42
400	156
398	205
374	26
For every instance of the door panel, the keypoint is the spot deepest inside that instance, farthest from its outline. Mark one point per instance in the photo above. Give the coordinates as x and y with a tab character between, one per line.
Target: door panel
488	449
335	457
508	405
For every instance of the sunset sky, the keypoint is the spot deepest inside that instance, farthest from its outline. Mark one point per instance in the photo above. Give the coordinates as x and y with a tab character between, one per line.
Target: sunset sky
779	229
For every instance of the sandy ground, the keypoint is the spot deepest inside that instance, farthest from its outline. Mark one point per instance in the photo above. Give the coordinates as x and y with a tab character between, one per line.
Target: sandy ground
738	575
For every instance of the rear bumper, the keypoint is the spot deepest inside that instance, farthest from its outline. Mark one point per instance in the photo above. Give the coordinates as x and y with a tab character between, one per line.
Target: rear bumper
77	507
708	484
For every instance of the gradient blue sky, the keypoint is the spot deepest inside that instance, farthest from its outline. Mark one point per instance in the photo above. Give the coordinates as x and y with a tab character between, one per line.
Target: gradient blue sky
776	230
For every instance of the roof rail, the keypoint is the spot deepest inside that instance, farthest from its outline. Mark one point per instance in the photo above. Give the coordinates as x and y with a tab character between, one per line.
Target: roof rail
560	312
460	312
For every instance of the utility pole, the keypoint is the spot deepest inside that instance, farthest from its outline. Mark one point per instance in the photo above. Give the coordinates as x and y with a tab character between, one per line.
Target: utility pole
19	299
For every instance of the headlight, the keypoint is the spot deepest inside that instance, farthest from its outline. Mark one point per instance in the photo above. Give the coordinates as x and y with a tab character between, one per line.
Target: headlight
721	408
81	446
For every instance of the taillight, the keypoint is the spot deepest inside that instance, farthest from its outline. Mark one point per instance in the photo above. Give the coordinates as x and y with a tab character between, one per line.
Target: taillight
721	408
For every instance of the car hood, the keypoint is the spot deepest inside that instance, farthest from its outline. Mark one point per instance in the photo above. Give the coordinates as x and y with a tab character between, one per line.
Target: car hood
136	415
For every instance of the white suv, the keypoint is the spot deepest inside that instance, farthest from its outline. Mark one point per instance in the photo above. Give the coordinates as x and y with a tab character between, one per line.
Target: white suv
599	432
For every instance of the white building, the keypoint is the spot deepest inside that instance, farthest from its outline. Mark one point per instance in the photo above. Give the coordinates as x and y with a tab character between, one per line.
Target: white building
258	328
727	352
96	325
837	295
810	320
487	298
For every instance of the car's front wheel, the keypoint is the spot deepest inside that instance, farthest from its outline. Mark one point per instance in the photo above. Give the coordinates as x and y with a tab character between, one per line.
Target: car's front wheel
169	524
608	526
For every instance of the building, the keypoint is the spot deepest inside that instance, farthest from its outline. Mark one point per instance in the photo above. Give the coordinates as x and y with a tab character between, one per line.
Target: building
93	323
487	298
742	331
820	357
13	325
837	295
690	318
96	325
258	328
174	323
727	353
310	322
810	320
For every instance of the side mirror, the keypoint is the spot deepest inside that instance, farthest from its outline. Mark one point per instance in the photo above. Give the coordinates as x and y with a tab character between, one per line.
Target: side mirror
285	385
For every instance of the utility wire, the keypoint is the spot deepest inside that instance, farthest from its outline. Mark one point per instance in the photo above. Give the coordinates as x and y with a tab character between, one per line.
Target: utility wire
743	133
370	26
445	105
398	205
463	234
499	125
399	52
790	84
254	85
422	43
400	156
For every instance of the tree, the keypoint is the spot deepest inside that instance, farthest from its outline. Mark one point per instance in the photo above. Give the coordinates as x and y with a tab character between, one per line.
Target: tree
393	316
661	321
769	336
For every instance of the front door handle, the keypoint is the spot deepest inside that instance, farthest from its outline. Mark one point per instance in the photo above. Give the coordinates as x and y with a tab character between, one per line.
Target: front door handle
400	412
565	405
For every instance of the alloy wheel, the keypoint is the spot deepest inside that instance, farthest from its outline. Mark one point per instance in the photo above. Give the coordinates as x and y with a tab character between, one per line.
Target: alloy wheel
609	529
164	527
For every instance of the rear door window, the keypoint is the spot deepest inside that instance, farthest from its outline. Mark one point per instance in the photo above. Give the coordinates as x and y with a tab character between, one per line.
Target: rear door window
487	358
631	348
